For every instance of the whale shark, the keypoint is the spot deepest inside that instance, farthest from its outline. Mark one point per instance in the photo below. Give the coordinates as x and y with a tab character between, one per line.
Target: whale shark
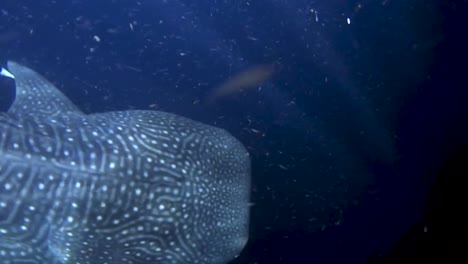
121	187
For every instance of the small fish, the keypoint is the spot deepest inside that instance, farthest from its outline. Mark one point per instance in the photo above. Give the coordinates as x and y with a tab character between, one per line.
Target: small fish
248	79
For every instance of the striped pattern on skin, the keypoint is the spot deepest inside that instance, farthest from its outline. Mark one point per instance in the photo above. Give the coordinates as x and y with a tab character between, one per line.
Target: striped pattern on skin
118	187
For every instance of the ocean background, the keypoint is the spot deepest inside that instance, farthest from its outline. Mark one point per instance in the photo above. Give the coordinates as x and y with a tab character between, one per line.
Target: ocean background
345	138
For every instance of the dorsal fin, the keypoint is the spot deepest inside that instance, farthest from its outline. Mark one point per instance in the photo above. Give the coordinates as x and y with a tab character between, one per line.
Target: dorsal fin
35	96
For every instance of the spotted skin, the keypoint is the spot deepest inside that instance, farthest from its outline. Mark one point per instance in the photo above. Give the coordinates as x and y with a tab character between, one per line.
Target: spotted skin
117	187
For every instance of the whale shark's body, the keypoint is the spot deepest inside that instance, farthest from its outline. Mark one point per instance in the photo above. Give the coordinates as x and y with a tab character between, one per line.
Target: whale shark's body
118	187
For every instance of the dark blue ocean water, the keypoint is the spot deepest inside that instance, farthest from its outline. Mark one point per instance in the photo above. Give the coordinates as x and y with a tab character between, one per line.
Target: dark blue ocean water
346	135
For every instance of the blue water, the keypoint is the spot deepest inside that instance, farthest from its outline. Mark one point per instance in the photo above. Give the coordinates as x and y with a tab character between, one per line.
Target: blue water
344	138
